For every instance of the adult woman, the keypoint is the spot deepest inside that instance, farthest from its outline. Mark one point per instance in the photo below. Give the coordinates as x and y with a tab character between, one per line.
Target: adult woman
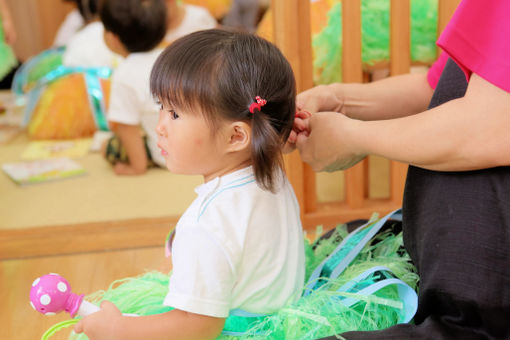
456	210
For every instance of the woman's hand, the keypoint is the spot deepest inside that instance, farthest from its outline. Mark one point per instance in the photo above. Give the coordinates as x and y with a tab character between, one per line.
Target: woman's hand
321	98
298	127
328	142
101	325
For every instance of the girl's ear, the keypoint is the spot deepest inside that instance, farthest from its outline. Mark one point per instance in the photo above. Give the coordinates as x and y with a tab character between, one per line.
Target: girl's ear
239	136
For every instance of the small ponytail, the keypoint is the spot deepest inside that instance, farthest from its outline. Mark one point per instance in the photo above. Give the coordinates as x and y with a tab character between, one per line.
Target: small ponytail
266	151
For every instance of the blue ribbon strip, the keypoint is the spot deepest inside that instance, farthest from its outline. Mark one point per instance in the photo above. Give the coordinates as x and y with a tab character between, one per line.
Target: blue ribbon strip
345	252
93	85
381	277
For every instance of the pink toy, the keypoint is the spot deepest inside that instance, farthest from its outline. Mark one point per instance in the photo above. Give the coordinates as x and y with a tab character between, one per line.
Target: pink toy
50	294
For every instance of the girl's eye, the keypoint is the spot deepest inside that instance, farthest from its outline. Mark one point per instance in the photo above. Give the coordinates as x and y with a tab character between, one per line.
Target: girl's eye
160	107
173	114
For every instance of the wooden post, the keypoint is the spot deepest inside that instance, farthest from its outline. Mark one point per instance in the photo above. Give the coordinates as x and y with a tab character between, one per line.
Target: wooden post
445	10
355	177
400	63
293	37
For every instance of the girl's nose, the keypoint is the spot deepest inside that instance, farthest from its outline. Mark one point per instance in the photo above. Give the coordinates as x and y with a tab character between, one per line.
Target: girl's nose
160	126
159	129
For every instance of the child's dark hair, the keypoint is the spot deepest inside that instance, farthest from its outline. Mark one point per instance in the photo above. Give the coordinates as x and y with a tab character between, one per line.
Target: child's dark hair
87	8
219	73
139	24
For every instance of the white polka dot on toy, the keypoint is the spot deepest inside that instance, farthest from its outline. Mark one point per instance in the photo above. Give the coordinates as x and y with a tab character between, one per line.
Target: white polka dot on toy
36	281
31	304
45	299
50	313
62	287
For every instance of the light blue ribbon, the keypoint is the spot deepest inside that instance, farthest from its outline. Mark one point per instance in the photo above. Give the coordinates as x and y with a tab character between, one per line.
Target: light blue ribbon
383	277
93	85
346	251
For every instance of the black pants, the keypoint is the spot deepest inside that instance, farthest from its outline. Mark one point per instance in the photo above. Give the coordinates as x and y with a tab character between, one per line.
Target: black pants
457	231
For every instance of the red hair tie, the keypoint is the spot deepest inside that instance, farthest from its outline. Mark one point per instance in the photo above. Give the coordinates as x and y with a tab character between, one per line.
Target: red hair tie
258	105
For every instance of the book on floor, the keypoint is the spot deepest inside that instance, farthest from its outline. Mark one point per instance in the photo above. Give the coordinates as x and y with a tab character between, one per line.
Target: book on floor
44	170
74	148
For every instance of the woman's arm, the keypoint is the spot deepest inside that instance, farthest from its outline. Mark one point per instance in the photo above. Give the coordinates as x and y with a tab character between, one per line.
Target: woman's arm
384	99
132	140
464	134
109	324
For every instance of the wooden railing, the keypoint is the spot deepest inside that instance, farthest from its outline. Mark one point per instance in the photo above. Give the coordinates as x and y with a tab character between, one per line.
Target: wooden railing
292	35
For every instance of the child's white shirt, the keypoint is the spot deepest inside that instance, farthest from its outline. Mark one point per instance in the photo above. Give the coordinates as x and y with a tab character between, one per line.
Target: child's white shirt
131	102
88	49
72	24
196	18
237	247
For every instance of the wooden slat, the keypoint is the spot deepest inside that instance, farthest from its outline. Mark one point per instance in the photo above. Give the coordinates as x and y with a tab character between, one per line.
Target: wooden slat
400	52
331	214
310	189
398	174
400	63
293	37
352	72
351	41
294	168
88	237
445	10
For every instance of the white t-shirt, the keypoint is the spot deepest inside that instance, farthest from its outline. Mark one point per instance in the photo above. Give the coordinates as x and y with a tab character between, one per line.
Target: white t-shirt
72	24
237	247
131	102
196	18
88	49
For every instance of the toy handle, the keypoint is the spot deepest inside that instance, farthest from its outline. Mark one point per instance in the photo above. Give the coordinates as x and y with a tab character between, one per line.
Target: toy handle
87	308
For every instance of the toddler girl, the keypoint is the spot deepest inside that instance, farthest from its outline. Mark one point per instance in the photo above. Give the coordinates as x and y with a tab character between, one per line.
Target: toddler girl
227	108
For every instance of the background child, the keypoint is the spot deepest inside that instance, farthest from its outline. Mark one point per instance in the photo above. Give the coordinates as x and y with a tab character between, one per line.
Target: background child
228	104
185	18
133	29
86	46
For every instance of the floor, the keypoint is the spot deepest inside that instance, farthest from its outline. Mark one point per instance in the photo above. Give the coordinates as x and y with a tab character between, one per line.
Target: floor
86	273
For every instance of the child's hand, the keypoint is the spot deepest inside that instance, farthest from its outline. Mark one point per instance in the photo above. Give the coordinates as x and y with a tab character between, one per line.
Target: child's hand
100	325
300	126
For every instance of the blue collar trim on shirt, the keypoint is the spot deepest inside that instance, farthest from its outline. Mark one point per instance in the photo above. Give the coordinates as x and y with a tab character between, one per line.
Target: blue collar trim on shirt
250	179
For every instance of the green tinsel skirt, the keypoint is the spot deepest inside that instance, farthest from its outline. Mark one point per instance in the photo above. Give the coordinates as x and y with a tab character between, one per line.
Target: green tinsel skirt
320	312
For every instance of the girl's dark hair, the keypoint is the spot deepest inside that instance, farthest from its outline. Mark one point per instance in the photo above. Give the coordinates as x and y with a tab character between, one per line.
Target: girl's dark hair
139	24
219	73
87	8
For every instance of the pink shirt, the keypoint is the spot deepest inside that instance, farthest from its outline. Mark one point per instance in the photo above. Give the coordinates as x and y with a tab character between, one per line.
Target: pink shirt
477	38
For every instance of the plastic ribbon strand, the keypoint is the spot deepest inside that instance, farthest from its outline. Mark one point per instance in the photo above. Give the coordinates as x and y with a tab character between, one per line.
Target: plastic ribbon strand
93	85
346	251
381	277
57	327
